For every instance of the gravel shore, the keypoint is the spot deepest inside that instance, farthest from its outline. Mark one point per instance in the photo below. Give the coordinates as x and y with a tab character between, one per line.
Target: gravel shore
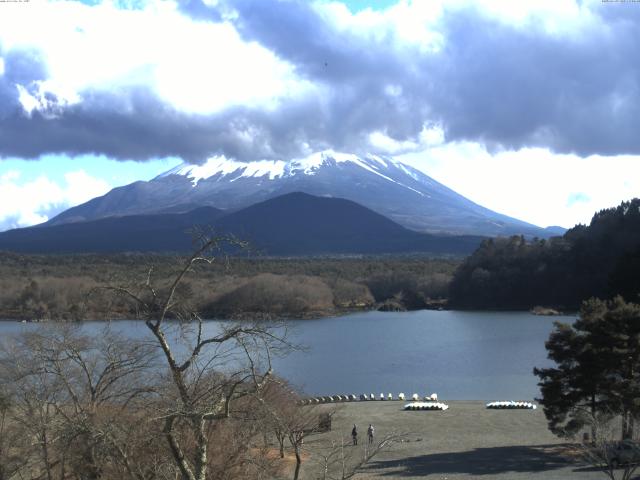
466	441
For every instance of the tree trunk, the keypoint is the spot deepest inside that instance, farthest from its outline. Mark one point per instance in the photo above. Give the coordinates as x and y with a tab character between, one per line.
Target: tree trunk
176	451
45	452
201	449
628	426
627	430
89	466
593	416
296	473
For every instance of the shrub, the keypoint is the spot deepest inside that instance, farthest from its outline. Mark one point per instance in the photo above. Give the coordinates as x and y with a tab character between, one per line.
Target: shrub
277	294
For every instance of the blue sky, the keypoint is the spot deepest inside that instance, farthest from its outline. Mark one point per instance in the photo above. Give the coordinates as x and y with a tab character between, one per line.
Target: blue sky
114	172
358	5
528	108
353	5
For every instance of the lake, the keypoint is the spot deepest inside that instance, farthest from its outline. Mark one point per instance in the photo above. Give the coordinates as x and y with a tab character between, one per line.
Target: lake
458	355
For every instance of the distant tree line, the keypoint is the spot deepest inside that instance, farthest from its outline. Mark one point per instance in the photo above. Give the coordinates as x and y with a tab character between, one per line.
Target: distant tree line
598	260
63	287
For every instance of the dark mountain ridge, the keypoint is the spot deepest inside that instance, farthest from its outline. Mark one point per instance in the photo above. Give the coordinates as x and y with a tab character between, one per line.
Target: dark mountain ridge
135	233
292	224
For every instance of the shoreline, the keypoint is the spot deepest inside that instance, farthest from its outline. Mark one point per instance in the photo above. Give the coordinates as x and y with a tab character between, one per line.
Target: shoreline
255	317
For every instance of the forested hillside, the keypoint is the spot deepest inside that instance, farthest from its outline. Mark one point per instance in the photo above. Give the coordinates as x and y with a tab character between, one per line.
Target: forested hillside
65	287
601	259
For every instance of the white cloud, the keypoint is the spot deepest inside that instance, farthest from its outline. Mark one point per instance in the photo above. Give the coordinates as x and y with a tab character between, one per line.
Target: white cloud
9	176
533	184
25	203
419	22
81	187
198	67
406	22
29	102
428	137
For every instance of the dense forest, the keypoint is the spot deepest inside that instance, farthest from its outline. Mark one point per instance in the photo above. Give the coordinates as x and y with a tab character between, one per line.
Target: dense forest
599	260
69	287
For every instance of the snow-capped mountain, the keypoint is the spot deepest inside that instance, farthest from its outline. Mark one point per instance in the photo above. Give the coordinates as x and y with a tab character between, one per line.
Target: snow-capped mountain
382	184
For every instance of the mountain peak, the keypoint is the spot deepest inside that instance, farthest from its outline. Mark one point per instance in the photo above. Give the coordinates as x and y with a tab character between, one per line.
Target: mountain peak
220	166
383	184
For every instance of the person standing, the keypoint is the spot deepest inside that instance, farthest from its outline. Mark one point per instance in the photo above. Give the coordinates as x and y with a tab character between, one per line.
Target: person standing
354	434
370	432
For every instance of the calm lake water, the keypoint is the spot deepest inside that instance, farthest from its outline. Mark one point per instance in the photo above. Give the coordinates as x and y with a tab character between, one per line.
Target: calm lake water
459	355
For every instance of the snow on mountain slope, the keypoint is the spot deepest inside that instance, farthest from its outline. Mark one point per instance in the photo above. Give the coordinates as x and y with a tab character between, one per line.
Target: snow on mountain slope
221	167
383	184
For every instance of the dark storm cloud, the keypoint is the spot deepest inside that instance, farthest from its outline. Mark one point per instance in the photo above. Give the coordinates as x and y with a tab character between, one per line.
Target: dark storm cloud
132	124
356	72
140	127
514	88
504	86
21	67
135	124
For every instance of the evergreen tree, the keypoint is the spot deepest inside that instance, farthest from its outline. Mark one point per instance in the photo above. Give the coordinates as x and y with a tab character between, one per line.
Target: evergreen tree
597	367
572	391
599	260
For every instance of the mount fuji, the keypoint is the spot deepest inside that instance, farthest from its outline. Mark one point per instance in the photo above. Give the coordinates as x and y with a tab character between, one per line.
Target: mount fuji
382	184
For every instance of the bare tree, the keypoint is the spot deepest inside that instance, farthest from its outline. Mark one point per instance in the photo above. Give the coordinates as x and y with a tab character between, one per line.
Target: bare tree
12	441
277	406
182	404
617	459
210	372
33	395
287	419
339	463
302	423
72	393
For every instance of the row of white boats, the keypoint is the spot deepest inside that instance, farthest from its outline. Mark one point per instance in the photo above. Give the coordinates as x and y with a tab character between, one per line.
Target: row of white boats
426	406
510	405
366	397
507	405
428	402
